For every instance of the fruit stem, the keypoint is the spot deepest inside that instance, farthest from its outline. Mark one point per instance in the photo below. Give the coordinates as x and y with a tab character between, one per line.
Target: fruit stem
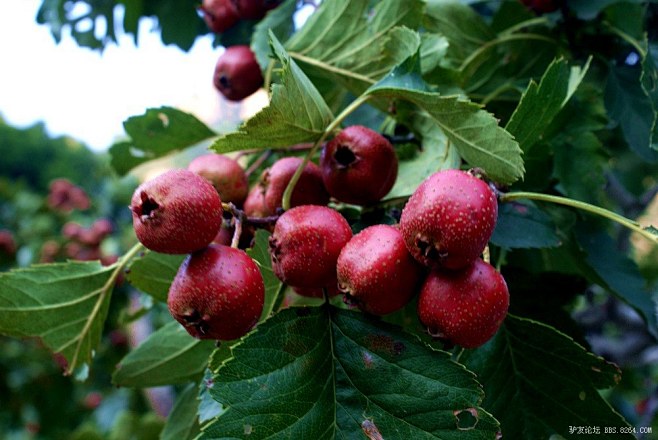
258	162
259	222
237	232
330	129
593	209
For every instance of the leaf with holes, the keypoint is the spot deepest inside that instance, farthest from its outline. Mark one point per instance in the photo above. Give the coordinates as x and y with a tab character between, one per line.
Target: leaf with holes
156	133
64	305
523	363
326	373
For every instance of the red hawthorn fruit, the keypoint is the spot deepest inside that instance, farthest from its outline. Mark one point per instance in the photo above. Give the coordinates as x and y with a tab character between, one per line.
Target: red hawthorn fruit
254	9
225	174
7	242
219	15
465	307
254	204
218	293
102	227
376	270
542	6
71	230
359	166
449	219
178	212
305	245
237	73
49	251
309	189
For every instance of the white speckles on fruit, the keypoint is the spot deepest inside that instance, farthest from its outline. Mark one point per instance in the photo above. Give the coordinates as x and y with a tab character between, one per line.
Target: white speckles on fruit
305	245
467	306
449	219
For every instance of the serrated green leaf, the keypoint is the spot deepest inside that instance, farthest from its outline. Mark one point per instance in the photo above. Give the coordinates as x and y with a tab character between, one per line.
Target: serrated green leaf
156	133
523	363
280	22
579	165
617	273
352	44
523	225
541	102
297	112
65	305
182	422
169	356
627	103
154	272
652	229
323	373
474	132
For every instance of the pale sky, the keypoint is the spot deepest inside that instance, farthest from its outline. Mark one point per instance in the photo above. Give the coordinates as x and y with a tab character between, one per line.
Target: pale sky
86	94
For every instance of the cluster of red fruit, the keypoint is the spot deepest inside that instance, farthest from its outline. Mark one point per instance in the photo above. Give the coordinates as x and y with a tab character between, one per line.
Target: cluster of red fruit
80	243
237	73
218	291
64	196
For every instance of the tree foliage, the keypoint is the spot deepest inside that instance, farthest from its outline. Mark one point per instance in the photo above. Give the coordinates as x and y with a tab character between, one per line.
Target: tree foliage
558	110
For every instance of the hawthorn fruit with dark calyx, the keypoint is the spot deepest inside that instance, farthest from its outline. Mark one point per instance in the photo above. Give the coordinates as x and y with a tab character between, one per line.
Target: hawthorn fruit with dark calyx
218	293
178	212
465	307
305	245
225	174
359	166
376	271
219	15
309	189
448	220
254	9
237	73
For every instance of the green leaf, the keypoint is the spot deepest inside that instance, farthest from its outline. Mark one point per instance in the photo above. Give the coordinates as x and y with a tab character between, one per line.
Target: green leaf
297	112
617	273
541	102
169	356
325	373
436	154
156	133
579	164
473	131
524	364
65	305
154	272
464	29
354	45
627	102
182	422
280	22
523	225
273	286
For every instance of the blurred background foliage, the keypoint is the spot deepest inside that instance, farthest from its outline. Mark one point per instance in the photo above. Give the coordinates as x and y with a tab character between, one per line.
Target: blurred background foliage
36	401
